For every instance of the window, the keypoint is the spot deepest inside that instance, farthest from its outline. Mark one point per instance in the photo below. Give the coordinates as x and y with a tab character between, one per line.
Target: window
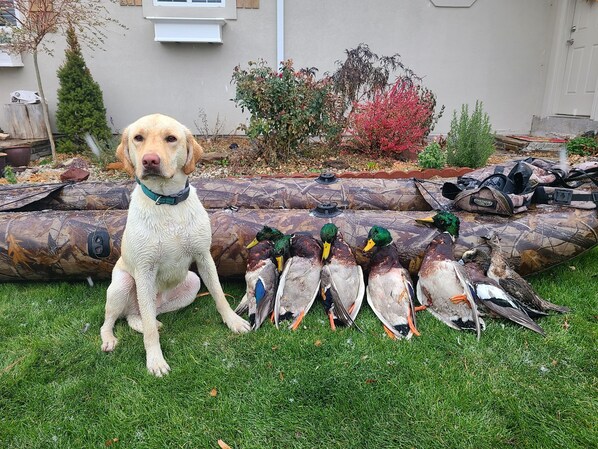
7	16
8	19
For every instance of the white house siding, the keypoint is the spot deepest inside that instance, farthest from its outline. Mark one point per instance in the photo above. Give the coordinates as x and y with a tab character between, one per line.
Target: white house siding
494	51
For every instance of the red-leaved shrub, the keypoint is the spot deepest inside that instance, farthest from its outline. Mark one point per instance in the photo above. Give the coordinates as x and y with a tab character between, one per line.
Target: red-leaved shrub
394	121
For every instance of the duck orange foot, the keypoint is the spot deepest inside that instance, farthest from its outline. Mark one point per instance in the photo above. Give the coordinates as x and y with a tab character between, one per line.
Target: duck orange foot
457	299
390	333
331	319
412	326
298	321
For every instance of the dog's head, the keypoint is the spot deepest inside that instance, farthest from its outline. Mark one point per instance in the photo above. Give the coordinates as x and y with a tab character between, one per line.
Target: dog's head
158	146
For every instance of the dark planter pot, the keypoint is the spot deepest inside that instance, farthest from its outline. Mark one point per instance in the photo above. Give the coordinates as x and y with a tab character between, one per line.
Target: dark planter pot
18	156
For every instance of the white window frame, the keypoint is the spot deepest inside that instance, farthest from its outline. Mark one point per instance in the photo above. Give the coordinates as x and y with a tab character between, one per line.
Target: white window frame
189	21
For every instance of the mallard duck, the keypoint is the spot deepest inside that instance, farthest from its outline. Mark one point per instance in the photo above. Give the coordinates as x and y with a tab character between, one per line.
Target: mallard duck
512	282
266	233
342	284
390	290
299	282
443	286
492	299
261	276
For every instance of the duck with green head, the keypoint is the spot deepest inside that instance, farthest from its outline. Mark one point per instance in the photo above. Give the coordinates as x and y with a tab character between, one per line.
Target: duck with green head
342	284
261	277
443	286
266	233
390	290
299	282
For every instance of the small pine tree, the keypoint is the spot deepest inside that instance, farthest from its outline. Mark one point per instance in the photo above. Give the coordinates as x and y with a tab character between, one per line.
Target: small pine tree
80	103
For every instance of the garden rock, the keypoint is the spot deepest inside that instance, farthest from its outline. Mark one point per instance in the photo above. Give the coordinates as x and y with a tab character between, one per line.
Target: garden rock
74	175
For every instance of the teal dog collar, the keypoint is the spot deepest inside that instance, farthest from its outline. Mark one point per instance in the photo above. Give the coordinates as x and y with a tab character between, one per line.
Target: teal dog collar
165	199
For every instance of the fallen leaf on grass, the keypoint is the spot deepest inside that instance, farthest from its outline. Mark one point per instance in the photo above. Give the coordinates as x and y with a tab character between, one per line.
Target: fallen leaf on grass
11	366
111	442
370	381
223	445
566	324
318	343
213	392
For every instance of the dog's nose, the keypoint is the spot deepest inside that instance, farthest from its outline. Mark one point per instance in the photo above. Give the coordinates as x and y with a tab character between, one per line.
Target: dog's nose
151	160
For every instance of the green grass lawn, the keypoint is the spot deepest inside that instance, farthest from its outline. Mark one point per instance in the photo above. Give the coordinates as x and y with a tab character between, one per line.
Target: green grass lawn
313	388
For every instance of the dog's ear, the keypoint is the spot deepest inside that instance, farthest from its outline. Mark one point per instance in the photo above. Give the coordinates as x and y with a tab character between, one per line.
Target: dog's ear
194	153
122	153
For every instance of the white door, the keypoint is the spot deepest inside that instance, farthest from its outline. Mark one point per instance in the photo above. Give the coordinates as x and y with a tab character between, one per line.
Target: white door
578	91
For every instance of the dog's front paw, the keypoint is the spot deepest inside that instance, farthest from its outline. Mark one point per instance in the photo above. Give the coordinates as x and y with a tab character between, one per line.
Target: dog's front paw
109	343
157	365
237	324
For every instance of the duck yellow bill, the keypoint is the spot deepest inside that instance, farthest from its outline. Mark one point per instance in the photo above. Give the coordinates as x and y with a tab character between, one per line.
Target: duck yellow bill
369	245
280	263
252	243
326	251
425	220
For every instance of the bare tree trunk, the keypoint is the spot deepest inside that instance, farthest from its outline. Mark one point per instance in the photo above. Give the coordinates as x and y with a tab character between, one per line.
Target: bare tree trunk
44	106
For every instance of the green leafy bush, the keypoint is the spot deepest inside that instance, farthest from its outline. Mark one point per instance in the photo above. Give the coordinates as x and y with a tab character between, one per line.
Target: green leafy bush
582	146
80	103
286	108
10	175
470	141
433	156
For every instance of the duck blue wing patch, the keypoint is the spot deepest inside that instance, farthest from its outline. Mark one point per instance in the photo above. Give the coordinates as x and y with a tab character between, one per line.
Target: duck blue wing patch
260	291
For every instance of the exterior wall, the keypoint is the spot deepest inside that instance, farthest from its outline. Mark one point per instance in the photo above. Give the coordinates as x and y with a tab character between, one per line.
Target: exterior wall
494	51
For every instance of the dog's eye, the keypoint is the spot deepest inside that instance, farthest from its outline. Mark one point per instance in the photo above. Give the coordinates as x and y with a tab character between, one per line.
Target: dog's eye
138	138
170	139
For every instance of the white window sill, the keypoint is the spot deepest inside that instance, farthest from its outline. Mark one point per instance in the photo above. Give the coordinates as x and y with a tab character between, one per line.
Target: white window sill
187	29
453	3
10	60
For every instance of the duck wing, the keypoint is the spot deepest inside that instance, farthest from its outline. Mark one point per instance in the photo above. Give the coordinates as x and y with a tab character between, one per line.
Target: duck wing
298	287
391	297
515	285
500	303
243	306
343	289
265	293
449	296
521	290
471	296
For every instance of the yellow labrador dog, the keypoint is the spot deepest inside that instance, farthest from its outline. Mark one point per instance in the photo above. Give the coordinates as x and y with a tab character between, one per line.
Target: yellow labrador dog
167	229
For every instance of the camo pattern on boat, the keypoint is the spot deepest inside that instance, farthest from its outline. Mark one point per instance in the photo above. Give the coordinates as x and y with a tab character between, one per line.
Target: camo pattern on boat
252	193
52	245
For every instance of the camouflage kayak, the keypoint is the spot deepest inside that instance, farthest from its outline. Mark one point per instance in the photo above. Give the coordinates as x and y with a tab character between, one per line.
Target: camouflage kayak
251	193
61	245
